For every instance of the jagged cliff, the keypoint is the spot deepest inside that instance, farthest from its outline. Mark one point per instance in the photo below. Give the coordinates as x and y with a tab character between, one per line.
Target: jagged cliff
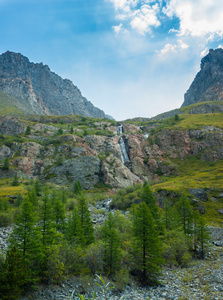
208	83
41	91
95	156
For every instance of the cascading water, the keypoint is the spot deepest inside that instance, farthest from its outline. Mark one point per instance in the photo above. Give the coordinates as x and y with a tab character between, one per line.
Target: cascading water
122	147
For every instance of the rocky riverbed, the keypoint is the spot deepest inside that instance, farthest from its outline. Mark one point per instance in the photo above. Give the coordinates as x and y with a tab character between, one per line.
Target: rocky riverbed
202	280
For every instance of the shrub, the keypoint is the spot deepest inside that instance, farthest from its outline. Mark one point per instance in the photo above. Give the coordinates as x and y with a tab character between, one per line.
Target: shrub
6	219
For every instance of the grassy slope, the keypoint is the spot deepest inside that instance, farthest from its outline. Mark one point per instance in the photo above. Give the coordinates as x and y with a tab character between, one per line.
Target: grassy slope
9	106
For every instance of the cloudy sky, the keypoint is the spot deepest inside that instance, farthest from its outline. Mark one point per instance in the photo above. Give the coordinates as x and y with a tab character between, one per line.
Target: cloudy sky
128	57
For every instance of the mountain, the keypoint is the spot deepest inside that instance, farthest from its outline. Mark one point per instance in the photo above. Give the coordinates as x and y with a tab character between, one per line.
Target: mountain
208	83
40	91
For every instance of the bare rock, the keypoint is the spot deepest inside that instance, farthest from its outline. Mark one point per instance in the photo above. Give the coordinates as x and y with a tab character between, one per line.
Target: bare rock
117	174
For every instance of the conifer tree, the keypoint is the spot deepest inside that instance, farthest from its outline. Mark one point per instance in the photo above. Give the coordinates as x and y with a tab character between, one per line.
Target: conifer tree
6	164
148	197
75	232
49	238
185	214
15	180
85	218
203	236
26	236
14	274
77	188
28	130
147	247
112	243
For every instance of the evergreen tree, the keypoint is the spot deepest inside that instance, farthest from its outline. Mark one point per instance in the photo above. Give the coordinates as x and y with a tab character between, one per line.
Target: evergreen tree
38	187
60	160
203	236
72	130
112	243
148	197
33	196
147	247
28	130
6	164
49	237
25	235
85	218
59	212
14	275
15	181
185	214
77	188
75	232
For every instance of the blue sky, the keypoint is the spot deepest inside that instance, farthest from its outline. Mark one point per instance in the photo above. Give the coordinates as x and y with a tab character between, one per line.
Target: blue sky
130	58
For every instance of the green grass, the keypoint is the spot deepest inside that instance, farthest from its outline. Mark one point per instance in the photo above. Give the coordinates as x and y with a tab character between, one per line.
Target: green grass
9	106
194	173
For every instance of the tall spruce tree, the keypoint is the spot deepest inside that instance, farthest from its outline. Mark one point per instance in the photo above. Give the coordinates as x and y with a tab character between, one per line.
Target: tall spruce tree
75	232
26	236
148	197
111	239
147	248
203	236
85	218
185	214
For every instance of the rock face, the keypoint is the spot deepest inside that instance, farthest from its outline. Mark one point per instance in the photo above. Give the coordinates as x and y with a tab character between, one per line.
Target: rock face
40	90
208	83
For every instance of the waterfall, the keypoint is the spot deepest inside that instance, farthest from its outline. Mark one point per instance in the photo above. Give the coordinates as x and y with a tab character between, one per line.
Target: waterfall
122	146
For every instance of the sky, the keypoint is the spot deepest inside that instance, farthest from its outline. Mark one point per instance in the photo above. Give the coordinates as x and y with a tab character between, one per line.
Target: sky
131	58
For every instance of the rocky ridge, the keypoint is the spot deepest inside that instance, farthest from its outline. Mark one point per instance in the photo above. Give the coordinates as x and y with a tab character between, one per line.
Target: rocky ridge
41	91
208	83
94	158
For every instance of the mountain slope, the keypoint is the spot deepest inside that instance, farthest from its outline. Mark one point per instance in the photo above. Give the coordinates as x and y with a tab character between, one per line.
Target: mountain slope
42	91
208	83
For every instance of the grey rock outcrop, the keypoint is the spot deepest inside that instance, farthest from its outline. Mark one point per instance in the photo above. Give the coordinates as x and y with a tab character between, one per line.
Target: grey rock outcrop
208	83
40	90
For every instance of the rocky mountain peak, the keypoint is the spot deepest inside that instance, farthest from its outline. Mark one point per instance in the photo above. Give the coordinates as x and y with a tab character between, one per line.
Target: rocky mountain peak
40	90
208	83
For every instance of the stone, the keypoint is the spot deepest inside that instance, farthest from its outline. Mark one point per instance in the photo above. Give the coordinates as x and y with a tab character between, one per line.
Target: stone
199	193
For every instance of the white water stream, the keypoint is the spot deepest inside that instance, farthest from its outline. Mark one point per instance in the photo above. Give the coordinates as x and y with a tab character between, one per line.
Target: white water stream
122	147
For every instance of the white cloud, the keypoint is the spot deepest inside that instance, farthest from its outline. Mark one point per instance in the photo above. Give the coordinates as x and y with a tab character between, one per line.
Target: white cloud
144	18
220	46
172	48
119	28
141	15
197	18
204	52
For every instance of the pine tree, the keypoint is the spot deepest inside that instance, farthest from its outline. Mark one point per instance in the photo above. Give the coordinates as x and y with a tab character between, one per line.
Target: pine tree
75	232
85	218
77	188
49	237
26	236
59	212
28	130
147	247
148	197
203	236
6	164
112	243
15	181
13	275
185	214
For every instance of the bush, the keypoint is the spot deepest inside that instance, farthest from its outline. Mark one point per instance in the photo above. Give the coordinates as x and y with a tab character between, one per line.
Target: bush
6	219
176	249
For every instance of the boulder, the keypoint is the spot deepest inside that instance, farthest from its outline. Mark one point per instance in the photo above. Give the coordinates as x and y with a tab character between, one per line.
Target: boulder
86	169
201	194
116	174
